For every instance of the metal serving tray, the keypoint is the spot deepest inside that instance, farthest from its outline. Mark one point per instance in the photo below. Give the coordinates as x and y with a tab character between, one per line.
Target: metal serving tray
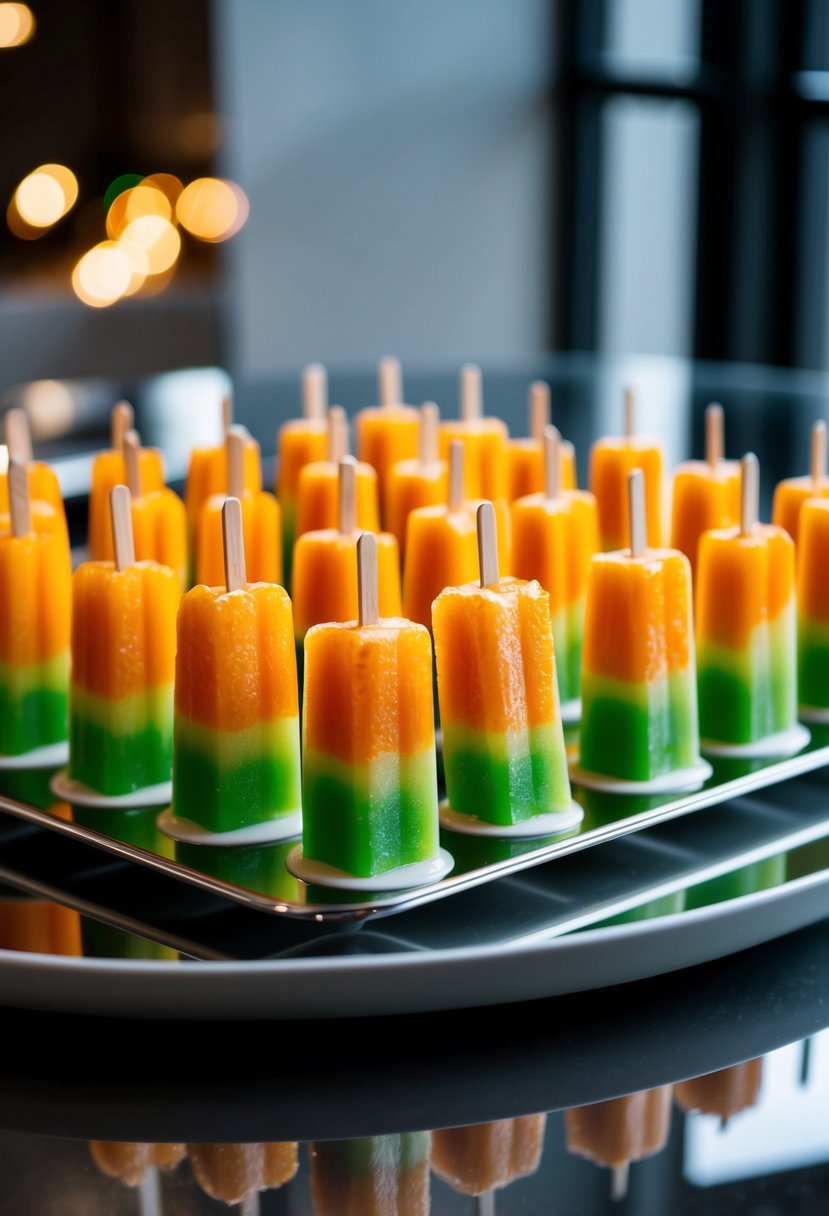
257	876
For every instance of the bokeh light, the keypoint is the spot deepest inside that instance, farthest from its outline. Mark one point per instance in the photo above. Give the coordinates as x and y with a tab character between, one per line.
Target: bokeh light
133	203
45	195
119	185
212	209
17	24
158	238
103	275
168	184
50	407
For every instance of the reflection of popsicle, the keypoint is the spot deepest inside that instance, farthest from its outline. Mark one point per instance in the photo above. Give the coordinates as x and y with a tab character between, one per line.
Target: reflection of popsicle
123	666
159	519
300	441
611	461
620	1131
486	1156
232	1172
503	741
638	688
812	596
39	927
747	628
705	493
792	492
554	535
325	566
724	1093
387	433
442	546
374	1176
207	474
484	440
421	482
318	486
35	621
525	457
43	480
236	724
109	470
369	759
129	1161
260	520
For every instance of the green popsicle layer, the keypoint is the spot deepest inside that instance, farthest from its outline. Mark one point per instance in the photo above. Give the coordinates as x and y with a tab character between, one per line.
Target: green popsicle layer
508	777
380	1160
813	664
639	731
748	694
34	706
224	780
369	818
116	747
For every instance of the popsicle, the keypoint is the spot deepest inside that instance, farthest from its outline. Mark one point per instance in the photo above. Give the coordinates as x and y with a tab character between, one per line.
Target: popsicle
488	1156
123	666
109	470
422	482
726	1092
35	622
130	1161
260	518
374	1176
232	1172
792	492
441	546
525	457
389	432
300	441
705	493
503	741
484	439
325	566
370	796
43	480
812	598
620	1131
611	461
236	721
207	474
638	688
555	534
36	926
746	633
159	519
318	485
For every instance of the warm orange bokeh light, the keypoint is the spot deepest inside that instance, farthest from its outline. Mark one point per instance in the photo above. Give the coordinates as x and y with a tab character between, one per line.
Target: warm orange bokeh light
168	184
158	238
103	275
17	24
45	195
212	209
18	226
132	204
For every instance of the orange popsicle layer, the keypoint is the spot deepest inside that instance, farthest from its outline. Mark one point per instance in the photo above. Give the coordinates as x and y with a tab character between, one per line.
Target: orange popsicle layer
159	529
109	470
43	487
325	578
207	474
441	551
386	434
318	497
611	461
413	484
484	454
702	498
262	527
789	496
525	467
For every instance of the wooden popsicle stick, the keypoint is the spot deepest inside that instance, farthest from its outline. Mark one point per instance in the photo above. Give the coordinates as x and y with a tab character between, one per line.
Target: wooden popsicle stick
18	436
487	545
233	541
367	593
132	450
636	511
347	496
227	413
455	475
714	435
19	504
749	493
314	392
121	421
630	428
390	382
337	434
818	453
539	408
120	509
427	436
552	462
237	437
472	393
619	1181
